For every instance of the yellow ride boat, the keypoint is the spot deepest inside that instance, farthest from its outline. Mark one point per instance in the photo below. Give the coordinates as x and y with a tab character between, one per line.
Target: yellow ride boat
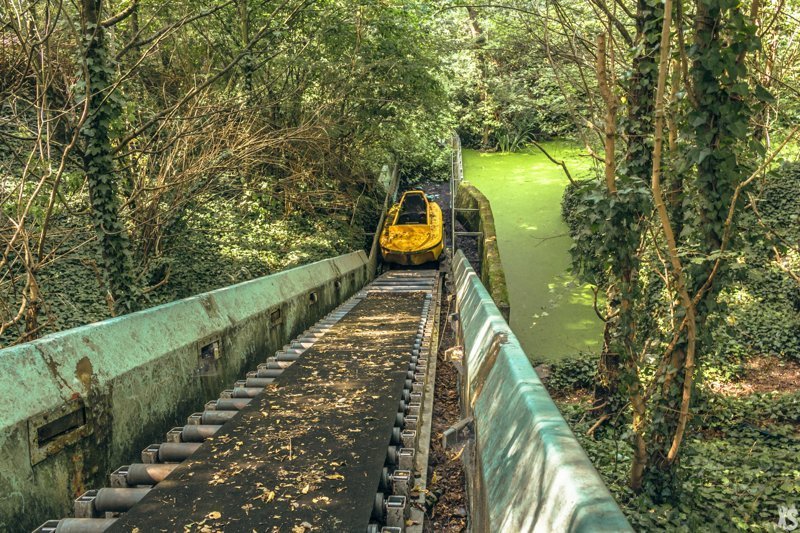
412	234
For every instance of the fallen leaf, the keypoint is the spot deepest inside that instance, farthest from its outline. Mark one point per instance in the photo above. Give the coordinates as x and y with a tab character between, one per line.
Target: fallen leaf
267	496
458	455
213	515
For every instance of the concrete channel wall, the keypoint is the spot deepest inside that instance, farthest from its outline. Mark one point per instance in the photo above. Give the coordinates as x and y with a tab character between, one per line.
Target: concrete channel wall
481	219
77	404
529	472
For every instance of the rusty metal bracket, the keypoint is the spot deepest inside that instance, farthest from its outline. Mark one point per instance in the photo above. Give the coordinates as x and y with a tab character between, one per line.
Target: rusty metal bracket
452	435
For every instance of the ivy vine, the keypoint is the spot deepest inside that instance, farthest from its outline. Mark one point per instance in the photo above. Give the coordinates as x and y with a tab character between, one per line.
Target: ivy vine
115	259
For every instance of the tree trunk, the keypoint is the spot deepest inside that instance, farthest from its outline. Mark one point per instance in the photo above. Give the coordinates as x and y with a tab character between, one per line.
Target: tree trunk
639	444
34	299
641	88
244	34
480	41
98	163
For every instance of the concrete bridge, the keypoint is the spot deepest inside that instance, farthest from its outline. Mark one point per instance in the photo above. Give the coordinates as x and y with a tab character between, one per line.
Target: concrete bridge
79	404
299	399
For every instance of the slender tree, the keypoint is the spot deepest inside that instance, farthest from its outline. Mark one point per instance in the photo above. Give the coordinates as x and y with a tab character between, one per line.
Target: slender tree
98	161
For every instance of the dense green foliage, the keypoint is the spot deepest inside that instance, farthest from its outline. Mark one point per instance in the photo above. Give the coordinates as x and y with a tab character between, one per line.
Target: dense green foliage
740	463
759	295
148	154
572	374
738	467
504	95
759	292
762	292
135	120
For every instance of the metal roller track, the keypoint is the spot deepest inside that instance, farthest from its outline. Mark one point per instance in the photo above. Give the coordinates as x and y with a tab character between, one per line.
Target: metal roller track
186	449
157	464
405	472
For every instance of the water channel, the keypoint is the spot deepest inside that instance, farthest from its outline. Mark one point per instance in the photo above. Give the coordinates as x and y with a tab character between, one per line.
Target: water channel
551	313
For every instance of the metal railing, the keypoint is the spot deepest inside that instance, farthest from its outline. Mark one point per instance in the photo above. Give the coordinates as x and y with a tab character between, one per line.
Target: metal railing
390	183
456	177
528	472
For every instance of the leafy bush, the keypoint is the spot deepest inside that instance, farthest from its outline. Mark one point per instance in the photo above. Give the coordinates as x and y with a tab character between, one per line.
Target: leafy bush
572	374
430	161
726	361
780	200
570	204
762	299
601	228
738	469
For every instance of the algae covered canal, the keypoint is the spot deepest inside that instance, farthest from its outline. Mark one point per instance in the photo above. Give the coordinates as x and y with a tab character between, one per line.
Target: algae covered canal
551	313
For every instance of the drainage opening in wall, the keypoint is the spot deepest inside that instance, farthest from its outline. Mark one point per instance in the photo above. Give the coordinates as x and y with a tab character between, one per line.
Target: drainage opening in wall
50	432
337	284
312	297
210	353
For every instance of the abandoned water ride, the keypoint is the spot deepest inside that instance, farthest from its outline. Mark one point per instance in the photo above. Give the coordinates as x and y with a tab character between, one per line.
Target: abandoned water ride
412	234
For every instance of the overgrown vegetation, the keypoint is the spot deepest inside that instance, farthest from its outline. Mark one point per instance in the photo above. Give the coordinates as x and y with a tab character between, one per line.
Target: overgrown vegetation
686	106
739	462
739	465
150	151
505	98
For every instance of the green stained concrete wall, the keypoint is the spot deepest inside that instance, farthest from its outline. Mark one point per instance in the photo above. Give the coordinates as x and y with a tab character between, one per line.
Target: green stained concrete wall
530	473
137	376
492	274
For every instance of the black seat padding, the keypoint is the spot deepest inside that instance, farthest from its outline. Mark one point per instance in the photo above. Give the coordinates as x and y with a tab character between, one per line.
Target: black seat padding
413	210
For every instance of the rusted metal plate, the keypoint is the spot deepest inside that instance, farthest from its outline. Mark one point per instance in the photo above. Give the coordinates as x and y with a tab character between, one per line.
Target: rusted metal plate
49	433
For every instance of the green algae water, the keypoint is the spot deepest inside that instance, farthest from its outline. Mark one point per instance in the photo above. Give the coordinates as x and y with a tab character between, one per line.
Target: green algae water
551	313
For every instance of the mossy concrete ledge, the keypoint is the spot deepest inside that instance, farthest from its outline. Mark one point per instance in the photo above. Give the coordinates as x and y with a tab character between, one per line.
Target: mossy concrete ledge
528	472
492	274
77	404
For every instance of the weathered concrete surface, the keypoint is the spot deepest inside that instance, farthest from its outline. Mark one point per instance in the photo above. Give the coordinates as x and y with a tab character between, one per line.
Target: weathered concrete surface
530	473
137	376
492	274
389	180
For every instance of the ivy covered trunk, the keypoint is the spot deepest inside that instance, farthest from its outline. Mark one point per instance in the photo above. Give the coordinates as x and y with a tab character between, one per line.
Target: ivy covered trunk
114	248
617	360
606	394
717	127
641	90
